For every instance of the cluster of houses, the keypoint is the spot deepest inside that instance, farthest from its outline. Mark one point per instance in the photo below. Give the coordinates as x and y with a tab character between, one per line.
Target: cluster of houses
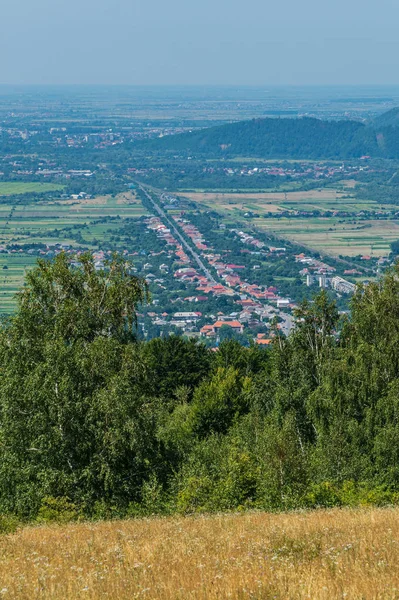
249	239
164	233
191	232
301	170
228	273
321	274
252	296
256	305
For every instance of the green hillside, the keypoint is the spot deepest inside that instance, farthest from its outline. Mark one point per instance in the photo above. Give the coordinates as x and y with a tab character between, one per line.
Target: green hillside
387	119
306	138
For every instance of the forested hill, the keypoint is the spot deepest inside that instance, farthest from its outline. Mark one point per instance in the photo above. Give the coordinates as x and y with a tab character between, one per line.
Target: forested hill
387	119
286	138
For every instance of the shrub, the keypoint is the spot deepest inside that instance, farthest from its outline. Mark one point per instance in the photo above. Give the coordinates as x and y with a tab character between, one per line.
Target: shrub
323	494
9	524
58	510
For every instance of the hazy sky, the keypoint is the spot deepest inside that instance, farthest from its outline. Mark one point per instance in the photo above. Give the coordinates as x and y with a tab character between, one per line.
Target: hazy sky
199	41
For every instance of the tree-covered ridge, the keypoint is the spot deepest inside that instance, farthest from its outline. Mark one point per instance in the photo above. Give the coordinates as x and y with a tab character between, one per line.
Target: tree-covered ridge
387	119
95	423
305	138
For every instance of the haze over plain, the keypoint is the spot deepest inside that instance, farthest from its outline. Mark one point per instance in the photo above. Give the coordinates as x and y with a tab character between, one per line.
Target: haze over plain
177	42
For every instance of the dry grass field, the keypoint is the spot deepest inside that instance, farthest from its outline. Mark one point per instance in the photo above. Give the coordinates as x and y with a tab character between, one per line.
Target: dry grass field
277	197
319	555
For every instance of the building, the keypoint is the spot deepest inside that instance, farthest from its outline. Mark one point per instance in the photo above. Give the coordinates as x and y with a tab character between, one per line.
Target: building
211	330
283	302
339	284
310	279
187	317
322	280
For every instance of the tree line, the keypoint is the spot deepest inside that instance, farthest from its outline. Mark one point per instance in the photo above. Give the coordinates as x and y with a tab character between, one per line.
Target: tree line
95	423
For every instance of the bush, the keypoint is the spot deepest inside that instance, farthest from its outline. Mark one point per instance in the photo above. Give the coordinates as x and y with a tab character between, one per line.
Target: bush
58	510
9	524
323	495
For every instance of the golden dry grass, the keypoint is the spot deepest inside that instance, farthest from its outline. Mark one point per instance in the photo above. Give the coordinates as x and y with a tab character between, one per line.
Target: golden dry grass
320	555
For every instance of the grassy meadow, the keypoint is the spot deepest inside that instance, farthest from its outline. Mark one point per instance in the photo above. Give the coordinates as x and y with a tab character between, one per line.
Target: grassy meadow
318	555
328	235
8	188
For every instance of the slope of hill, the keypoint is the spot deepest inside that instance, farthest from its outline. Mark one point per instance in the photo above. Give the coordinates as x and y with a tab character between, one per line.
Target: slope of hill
387	119
305	138
321	555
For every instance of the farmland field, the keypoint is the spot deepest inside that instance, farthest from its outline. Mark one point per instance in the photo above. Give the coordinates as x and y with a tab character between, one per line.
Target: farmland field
8	188
319	555
263	202
330	235
37	223
18	223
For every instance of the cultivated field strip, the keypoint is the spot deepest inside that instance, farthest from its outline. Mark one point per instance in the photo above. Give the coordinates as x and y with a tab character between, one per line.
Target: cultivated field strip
37	222
332	235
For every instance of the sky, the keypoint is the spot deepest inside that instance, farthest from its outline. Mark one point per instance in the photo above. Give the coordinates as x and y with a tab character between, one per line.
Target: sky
199	42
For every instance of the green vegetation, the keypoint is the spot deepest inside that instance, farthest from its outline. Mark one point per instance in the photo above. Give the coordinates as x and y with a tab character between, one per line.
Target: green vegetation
97	424
20	223
9	188
13	269
330	220
79	223
285	138
387	119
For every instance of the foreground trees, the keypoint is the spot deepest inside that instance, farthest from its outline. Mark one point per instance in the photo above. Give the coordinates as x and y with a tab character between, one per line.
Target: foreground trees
75	419
94	419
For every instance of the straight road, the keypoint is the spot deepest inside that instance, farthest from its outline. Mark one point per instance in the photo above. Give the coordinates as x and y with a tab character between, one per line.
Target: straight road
173	227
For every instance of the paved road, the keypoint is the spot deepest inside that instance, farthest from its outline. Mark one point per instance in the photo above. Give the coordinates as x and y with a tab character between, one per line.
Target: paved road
173	227
288	320
288	323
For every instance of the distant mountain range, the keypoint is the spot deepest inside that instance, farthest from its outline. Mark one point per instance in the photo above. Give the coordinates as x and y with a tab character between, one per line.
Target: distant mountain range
290	138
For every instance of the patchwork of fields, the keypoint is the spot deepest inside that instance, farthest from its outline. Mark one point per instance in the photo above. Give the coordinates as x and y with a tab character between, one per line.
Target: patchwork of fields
330	235
32	222
51	222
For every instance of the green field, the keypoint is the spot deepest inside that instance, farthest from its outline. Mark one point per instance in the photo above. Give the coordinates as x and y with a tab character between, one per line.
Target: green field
347	236
8	188
32	222
12	272
24	224
330	236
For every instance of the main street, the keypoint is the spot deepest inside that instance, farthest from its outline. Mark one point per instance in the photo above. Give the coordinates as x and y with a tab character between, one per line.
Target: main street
175	229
